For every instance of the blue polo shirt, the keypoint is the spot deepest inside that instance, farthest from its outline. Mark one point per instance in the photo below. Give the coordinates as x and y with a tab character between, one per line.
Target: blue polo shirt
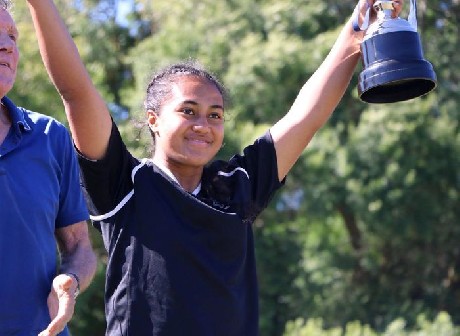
39	192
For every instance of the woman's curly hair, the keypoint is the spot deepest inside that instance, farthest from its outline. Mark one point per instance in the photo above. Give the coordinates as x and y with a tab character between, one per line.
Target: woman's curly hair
160	83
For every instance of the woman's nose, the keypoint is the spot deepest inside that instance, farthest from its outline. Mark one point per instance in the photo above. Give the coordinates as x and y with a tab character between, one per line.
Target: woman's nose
201	124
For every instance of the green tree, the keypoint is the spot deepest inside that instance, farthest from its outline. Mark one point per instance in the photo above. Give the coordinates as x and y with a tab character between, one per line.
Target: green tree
367	224
356	249
32	89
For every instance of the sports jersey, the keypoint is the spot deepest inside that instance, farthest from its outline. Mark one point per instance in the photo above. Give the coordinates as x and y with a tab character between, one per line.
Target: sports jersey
39	192
180	264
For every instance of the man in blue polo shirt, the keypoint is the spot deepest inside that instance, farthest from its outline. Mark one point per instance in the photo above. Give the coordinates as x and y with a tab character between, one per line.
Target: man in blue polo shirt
41	204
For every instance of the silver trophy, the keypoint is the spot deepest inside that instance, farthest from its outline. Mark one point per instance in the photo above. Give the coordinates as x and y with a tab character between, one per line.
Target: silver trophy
393	65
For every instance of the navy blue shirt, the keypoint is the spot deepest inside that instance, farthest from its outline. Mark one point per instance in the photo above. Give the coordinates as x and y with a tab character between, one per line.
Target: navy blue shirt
180	264
39	192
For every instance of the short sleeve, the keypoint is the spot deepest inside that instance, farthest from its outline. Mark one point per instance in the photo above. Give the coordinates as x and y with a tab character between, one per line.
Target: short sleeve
107	181
72	206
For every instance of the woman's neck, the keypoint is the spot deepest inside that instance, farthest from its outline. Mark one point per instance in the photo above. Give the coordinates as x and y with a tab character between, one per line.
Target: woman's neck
189	178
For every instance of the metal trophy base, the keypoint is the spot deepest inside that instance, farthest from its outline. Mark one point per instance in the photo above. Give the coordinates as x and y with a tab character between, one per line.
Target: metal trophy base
394	68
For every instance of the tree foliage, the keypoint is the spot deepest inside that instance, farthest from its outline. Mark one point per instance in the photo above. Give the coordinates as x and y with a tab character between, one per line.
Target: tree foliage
367	226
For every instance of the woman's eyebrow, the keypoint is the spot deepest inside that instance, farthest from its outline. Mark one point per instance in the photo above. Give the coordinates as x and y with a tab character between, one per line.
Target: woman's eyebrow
192	102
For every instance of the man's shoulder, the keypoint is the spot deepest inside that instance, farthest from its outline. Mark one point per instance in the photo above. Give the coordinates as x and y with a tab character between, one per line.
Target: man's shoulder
23	115
46	125
38	118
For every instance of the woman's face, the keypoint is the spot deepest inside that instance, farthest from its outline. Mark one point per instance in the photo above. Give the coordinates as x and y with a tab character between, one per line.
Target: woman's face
189	128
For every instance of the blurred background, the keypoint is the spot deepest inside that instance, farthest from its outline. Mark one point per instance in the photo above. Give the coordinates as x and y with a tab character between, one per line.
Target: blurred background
364	238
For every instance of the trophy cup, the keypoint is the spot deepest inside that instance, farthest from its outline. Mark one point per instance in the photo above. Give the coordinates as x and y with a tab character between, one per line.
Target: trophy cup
393	65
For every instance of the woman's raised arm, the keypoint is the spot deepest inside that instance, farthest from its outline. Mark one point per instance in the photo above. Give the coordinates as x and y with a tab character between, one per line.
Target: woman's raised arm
88	115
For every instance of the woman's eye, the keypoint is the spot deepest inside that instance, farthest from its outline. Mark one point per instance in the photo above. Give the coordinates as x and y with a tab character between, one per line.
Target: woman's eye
216	116
187	110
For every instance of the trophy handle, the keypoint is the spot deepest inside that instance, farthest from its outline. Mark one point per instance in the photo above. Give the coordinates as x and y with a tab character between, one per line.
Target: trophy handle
365	25
412	19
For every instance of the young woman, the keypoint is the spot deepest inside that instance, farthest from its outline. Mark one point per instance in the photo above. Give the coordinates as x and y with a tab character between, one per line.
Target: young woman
177	226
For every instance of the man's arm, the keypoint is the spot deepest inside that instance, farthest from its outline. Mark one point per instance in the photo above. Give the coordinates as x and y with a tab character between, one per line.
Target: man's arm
78	266
77	256
88	115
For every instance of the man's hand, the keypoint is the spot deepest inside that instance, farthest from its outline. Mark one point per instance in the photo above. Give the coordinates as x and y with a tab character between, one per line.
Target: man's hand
61	304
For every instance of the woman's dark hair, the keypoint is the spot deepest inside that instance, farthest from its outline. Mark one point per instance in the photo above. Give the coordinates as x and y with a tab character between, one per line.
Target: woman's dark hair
160	84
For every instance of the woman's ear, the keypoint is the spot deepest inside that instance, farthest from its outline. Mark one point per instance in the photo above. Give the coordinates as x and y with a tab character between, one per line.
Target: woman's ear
152	120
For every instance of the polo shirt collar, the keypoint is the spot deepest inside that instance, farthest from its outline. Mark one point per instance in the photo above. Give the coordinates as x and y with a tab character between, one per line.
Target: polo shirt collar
17	115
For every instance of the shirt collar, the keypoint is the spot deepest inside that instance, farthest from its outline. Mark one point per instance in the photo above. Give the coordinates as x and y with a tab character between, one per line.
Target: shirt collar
16	114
